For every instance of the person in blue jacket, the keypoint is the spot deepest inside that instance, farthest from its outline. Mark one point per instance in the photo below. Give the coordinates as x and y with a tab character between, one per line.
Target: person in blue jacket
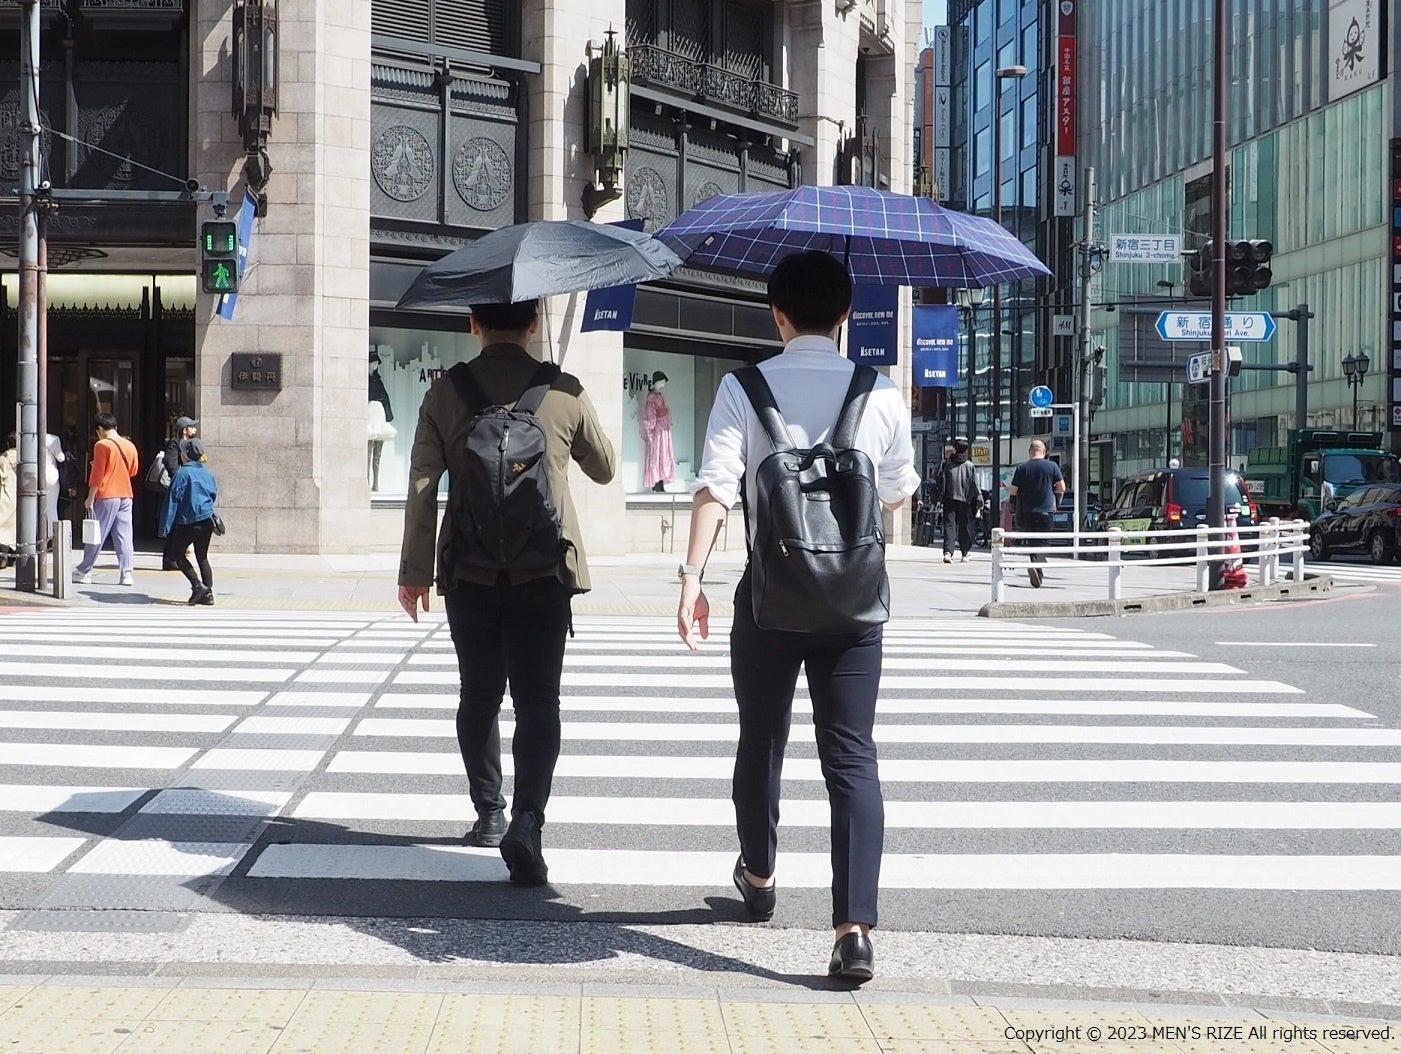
189	518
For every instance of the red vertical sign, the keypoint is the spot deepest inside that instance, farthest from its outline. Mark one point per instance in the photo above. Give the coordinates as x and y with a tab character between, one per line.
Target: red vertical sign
1065	79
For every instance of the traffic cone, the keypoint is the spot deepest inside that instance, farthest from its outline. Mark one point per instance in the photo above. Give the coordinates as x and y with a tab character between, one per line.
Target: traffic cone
1233	568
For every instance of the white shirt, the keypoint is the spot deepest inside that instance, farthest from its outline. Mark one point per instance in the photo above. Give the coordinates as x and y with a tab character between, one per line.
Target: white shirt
809	380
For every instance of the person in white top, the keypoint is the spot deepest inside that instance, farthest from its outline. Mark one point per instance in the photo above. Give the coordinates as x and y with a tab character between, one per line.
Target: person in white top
810	295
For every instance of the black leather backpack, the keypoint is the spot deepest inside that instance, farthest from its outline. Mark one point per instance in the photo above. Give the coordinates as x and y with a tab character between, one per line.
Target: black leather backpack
817	560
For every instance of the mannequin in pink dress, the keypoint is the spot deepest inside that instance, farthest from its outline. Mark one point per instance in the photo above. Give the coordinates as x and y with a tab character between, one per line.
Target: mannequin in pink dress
659	465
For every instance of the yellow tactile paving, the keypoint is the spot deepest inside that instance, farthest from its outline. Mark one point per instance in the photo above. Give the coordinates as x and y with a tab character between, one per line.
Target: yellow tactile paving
381	1008
1336	1037
90	1002
184	1037
54	1035
756	1044
892	1022
363	1037
953	1046
652	1015
504	1041
274	1006
642	1041
11	993
798	1020
487	1012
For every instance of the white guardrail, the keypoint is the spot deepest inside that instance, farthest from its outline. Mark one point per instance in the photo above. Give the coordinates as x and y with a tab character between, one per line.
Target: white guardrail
1266	544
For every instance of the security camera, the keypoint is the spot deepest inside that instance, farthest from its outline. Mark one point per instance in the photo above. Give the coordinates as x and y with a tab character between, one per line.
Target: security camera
45	186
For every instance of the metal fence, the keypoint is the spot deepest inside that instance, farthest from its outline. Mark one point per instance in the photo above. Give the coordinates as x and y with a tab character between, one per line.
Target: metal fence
1268	545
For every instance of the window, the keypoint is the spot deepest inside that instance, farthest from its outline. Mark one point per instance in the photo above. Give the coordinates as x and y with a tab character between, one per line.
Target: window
487	26
733	34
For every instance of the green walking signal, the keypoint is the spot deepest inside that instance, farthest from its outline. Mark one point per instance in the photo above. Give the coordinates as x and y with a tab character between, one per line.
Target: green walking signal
218	256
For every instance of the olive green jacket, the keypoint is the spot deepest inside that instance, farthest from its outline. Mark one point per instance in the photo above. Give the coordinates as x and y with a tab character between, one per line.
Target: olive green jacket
572	432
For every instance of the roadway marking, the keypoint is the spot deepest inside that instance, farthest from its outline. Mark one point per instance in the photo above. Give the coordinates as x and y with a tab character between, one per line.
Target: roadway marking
1289	644
84	755
109	722
23	797
153	856
35	855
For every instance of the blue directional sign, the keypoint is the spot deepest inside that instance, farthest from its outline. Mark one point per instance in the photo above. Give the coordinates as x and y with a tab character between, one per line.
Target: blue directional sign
1196	325
1041	396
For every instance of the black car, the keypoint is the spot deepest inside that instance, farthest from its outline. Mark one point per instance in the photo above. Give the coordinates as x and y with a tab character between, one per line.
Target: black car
1363	522
1064	515
1174	499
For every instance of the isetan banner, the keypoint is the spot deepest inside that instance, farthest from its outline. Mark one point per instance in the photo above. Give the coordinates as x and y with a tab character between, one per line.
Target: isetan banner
936	346
873	328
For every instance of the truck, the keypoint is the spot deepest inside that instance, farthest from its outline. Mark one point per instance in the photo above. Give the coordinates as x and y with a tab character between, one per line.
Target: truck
1314	467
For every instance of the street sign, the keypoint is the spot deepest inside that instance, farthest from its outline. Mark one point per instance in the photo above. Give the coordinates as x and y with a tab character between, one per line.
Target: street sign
1145	248
1041	396
1042	411
1063	326
1199	367
1062	425
1196	325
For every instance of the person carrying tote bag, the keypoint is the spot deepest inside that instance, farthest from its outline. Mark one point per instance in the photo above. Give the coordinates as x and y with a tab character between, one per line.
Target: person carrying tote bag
190	520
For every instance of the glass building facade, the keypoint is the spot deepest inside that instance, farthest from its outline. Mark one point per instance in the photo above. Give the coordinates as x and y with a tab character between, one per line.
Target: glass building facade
1308	169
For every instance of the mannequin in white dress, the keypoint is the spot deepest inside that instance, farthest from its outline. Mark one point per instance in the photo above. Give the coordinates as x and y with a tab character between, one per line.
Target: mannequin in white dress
378	414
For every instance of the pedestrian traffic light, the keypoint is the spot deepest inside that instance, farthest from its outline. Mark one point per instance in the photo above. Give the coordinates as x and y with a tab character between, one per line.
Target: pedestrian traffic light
218	256
1199	271
1247	266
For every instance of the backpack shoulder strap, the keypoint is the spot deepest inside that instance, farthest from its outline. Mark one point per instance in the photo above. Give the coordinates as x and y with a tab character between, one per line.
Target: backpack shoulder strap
751	379
863	381
469	388
540	383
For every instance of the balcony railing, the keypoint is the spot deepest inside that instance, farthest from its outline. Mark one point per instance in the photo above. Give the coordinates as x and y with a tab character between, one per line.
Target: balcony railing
711	83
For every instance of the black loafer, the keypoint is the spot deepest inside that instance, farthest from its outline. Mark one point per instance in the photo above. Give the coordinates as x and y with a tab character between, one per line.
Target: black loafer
853	958
487	832
759	901
520	848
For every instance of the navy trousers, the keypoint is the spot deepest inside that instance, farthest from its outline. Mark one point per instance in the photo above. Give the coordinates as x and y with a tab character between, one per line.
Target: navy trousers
509	633
843	674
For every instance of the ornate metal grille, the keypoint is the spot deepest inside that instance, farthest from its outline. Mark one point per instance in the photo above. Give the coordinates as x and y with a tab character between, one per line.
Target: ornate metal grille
743	50
641	24
666	69
690	31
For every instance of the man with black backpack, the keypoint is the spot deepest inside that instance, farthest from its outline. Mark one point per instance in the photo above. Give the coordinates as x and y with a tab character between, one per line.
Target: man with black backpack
816	445
963	499
509	558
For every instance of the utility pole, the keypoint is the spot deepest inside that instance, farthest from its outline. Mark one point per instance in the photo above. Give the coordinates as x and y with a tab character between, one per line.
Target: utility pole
1083	357
27	511
1216	502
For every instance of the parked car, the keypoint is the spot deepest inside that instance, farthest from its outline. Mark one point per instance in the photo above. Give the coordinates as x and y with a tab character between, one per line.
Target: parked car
1363	522
1090	515
1167	499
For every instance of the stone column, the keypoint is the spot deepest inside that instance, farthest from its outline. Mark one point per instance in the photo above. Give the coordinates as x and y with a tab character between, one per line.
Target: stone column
291	463
819	50
557	35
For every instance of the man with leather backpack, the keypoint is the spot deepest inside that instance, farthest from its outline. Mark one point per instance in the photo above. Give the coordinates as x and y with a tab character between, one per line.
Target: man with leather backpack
504	428
817	445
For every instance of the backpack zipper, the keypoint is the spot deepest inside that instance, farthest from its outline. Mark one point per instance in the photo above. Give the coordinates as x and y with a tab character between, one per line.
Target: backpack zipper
501	463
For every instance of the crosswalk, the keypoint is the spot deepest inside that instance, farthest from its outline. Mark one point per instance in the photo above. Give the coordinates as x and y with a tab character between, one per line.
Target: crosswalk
1346	571
160	761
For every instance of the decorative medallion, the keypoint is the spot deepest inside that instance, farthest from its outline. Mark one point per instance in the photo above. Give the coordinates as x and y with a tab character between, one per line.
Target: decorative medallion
707	190
647	200
481	172
402	162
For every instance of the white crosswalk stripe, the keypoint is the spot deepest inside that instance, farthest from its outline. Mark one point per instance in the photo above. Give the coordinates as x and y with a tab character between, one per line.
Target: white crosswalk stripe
341	729
1343	571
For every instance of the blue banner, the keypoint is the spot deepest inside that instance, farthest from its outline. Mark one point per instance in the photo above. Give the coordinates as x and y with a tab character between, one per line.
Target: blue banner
936	346
611	308
229	301
873	328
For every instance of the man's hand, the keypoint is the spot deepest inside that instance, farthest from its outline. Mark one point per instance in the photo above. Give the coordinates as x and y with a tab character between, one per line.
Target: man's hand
692	612
410	597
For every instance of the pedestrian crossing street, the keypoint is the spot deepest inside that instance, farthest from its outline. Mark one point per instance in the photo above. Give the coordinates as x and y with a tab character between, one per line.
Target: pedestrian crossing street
175	757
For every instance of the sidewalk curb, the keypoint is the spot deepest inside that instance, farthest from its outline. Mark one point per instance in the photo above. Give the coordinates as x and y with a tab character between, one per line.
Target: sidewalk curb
1163	602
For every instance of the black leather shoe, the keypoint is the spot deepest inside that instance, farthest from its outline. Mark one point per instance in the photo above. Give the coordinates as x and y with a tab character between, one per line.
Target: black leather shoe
520	848
487	831
759	901
853	958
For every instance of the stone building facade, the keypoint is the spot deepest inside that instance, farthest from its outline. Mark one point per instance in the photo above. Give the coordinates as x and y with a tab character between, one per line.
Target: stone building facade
404	128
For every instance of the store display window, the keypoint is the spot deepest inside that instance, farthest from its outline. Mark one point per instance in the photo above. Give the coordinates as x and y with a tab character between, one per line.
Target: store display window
403	363
666	404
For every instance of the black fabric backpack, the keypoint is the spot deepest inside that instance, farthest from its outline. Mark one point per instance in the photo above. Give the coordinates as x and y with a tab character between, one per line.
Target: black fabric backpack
505	517
817	559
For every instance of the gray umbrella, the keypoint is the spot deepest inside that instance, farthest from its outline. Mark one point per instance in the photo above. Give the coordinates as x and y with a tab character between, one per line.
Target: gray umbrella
541	258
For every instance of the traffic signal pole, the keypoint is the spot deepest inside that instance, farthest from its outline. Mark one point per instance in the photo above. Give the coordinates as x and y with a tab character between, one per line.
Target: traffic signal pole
1216	502
27	506
1083	359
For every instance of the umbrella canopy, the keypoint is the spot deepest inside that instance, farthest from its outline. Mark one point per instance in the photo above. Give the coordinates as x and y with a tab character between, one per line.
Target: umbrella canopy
883	238
542	258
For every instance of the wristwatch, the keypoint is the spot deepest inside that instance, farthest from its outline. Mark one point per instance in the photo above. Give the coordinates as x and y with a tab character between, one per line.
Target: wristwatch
689	569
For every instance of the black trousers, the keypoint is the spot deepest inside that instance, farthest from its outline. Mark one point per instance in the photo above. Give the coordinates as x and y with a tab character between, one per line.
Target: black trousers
514	634
843	674
958	523
1036	522
181	537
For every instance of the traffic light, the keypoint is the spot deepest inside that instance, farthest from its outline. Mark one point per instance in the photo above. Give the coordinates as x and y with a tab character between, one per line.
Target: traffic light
218	256
1199	270
1247	266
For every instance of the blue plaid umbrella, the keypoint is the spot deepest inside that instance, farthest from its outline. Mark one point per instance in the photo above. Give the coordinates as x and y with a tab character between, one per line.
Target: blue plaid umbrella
884	238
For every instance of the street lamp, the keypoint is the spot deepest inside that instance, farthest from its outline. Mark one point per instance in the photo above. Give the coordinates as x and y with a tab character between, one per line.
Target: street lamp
970	300
1355	369
1004	73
